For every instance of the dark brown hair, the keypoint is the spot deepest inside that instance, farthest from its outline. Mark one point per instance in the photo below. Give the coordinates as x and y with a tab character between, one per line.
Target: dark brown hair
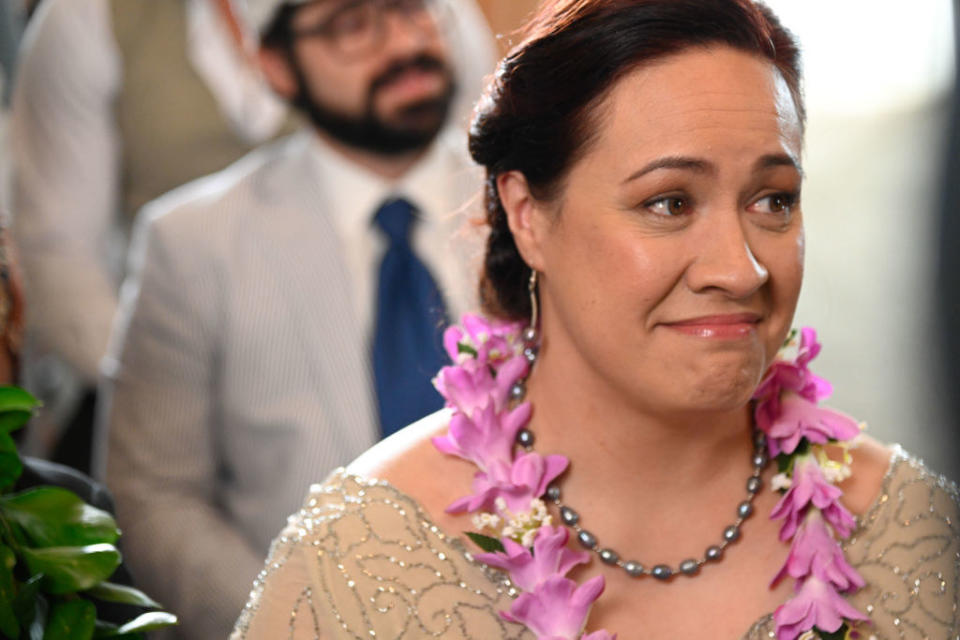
535	116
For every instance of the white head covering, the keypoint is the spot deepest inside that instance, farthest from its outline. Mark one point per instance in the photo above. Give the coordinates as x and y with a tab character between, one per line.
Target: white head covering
258	13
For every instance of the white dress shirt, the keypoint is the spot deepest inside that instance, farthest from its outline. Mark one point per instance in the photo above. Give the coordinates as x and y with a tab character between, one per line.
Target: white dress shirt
439	179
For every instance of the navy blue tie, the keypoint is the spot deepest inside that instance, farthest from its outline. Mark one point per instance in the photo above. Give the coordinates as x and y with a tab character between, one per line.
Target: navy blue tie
407	343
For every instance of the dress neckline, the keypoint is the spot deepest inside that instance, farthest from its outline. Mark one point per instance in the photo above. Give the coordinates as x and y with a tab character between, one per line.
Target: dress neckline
897	456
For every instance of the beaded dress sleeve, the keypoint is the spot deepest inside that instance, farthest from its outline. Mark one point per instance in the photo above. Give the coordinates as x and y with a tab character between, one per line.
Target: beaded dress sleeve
361	560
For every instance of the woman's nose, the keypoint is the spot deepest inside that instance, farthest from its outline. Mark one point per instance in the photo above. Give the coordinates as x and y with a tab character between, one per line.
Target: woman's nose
725	261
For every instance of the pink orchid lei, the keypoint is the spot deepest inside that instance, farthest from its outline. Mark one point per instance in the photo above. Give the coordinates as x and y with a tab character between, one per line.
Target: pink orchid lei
797	432
507	489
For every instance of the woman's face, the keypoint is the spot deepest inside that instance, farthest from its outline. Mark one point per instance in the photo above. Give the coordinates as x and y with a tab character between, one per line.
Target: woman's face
671	263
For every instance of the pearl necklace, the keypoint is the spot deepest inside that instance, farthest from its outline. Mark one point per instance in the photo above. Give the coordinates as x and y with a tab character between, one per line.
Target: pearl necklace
513	484
608	556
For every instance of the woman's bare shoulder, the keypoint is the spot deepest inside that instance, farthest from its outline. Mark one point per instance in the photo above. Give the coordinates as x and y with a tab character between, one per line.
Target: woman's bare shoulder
409	462
871	462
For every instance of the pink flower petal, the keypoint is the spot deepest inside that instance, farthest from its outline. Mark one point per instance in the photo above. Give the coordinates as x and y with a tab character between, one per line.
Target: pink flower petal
602	634
550	557
451	340
557	608
810	488
816	604
815	552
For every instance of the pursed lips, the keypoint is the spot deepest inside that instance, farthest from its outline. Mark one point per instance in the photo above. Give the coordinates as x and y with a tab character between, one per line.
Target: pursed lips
726	326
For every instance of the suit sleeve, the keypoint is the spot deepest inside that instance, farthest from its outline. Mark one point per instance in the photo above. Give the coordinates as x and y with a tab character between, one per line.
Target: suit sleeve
159	423
64	178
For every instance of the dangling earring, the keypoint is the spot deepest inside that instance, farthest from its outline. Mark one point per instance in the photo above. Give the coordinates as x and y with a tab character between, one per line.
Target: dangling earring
530	333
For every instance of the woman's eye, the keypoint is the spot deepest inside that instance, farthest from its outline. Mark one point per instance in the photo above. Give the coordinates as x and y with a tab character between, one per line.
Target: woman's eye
776	203
669	206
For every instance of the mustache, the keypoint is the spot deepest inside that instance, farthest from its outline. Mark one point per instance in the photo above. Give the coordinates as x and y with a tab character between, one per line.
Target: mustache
419	62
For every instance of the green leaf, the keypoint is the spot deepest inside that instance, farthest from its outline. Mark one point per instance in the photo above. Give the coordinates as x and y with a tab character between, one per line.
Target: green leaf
25	605
10	465
55	517
486	543
109	630
71	620
463	347
110	592
9	625
69	569
784	462
148	622
790	337
839	634
16	407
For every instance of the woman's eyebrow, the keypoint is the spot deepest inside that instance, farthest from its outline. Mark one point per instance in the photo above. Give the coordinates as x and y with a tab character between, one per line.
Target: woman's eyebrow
772	160
766	161
672	162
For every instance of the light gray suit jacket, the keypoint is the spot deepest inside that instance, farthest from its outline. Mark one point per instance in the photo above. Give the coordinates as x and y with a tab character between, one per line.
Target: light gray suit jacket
237	375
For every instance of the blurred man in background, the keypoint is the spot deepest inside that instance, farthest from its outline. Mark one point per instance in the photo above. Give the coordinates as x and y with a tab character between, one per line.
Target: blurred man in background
116	102
119	102
270	303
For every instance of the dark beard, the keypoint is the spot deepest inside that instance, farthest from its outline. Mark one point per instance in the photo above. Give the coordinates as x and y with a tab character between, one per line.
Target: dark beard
416	124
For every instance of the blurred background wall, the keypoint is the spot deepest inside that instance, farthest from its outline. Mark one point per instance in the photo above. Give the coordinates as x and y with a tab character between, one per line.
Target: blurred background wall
879	78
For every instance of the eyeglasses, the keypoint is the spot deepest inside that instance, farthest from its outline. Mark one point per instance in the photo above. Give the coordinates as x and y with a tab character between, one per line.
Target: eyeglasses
356	28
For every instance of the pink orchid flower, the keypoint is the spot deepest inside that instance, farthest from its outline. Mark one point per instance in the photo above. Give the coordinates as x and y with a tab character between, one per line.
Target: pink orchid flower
815	552
557	609
811	488
840	519
518	483
792	376
800	418
487	438
816	604
494	340
602	634
473	386
550	557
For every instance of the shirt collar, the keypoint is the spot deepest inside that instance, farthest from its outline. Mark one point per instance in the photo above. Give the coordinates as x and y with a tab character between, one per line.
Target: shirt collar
354	194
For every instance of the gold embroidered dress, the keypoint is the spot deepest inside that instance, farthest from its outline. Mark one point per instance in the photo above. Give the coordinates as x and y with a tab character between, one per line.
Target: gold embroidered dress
361	560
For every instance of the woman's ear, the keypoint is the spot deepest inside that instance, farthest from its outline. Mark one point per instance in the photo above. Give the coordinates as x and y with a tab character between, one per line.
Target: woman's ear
277	71
525	216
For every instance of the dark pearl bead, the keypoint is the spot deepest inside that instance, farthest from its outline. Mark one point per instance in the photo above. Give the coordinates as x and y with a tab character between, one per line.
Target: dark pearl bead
525	438
633	569
587	539
569	516
609	556
518	390
754	484
553	492
689	567
662	572
731	533
529	334
744	509
760	460
714	553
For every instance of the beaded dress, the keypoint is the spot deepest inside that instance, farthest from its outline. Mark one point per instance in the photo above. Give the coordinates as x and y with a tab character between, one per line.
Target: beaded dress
361	560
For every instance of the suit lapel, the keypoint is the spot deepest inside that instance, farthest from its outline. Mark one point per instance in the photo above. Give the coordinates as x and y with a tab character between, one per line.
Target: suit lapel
311	273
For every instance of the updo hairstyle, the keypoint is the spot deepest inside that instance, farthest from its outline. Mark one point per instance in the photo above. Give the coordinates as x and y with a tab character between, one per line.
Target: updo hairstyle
537	113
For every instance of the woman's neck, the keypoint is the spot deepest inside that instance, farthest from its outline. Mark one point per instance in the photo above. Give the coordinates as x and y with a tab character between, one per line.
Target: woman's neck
613	440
